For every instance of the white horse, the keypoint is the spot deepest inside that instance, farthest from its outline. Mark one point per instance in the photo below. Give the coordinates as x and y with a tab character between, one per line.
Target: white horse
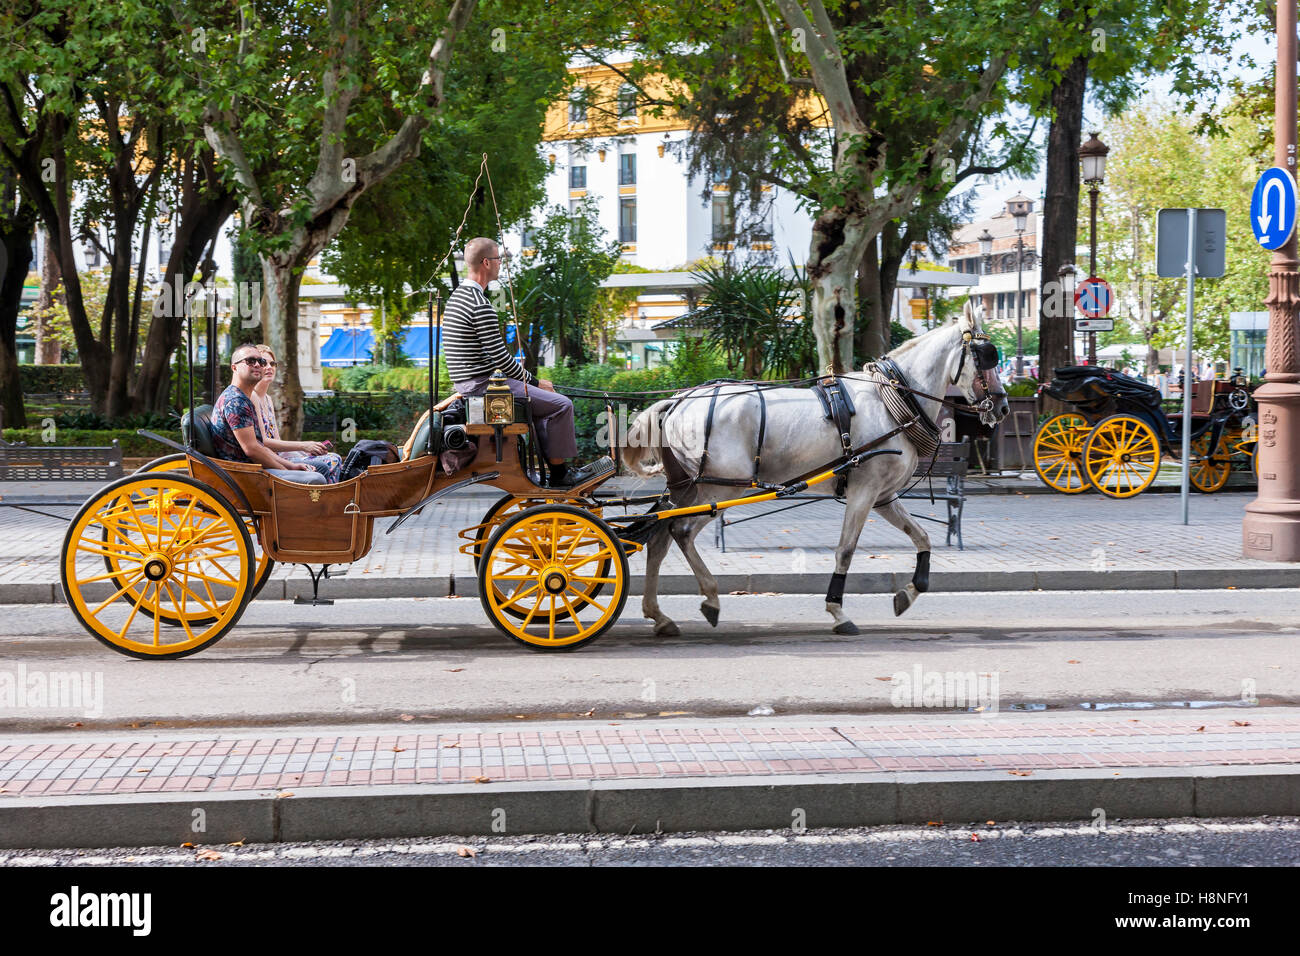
798	440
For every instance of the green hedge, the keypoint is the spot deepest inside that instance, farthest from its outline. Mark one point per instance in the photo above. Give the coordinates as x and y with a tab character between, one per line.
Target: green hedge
51	378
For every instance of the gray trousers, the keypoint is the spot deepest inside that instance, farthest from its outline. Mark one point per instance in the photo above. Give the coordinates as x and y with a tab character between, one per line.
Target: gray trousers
552	413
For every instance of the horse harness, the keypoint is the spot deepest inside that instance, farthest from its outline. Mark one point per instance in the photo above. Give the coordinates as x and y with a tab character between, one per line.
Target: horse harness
838	408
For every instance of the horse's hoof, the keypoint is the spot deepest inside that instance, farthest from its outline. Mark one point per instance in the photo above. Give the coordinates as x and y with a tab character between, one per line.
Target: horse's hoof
901	603
710	614
845	627
668	629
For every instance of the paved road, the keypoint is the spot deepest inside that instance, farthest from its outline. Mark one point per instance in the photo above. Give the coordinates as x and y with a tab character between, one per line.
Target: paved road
1161	843
362	661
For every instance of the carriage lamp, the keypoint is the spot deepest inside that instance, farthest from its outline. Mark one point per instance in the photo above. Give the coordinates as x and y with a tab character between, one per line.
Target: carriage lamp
498	402
498	408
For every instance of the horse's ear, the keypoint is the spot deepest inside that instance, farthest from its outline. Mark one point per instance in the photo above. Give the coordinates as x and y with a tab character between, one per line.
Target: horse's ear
968	315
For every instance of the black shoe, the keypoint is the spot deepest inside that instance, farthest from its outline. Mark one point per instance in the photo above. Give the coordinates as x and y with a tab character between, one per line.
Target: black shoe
576	476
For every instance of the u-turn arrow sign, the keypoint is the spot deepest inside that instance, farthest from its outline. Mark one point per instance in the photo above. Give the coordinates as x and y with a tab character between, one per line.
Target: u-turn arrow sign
1273	208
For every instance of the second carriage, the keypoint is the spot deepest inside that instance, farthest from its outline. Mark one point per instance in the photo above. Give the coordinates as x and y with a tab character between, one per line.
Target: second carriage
1117	433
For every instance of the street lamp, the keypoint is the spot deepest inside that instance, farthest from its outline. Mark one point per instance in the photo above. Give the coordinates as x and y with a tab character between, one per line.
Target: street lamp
1092	155
1018	207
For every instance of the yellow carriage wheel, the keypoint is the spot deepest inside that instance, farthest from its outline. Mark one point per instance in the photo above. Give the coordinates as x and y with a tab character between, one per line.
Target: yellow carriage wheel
498	512
1210	470
176	549
263	563
1122	456
543	562
1058	453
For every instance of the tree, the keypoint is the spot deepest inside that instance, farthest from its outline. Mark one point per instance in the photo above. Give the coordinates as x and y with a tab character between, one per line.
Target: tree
855	107
17	229
1118	45
557	294
308	106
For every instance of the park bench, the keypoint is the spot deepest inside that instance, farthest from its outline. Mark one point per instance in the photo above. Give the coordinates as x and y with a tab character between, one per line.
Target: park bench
951	463
23	462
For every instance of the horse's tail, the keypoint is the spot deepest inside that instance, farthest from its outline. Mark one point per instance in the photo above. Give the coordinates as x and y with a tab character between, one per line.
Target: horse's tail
643	453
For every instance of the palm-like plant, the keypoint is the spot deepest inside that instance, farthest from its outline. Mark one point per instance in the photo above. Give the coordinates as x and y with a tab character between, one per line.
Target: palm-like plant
747	316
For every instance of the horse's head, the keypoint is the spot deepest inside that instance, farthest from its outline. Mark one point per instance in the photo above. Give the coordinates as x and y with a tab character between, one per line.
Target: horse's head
977	367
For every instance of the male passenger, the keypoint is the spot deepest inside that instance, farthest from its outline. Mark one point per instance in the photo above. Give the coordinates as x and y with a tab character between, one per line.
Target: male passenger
235	430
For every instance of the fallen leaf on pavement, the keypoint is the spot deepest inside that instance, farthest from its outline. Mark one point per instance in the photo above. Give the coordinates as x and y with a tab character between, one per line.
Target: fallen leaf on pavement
1200	729
284	793
187	846
449	746
887	680
1241	723
207	855
482	779
1072	662
407	717
1020	773
453	670
467	851
989	822
975	838
236	843
590	713
399	750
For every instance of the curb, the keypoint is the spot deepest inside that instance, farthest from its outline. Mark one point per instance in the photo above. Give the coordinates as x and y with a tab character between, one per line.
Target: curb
876	582
647	806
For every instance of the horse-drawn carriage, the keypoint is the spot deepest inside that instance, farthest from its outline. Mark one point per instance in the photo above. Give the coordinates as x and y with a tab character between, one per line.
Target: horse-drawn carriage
1114	439
162	563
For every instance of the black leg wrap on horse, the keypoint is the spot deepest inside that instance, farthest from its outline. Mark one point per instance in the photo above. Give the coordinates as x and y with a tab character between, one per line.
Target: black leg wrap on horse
921	579
835	593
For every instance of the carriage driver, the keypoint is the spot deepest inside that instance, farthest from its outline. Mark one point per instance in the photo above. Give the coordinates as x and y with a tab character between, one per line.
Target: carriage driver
474	349
236	432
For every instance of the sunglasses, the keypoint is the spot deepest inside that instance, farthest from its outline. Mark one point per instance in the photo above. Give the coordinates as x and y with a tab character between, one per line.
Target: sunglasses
254	360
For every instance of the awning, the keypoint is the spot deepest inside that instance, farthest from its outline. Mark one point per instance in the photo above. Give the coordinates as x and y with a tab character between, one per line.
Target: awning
348	347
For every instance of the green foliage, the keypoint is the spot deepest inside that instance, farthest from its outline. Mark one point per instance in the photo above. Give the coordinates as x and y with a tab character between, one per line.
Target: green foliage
1003	335
1025	387
693	362
38	379
746	316
331	378
898	333
93	421
558	293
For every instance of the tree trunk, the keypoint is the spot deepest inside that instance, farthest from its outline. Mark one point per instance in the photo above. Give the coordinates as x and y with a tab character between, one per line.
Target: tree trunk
16	233
839	240
201	218
872	338
1060	221
279	312
48	348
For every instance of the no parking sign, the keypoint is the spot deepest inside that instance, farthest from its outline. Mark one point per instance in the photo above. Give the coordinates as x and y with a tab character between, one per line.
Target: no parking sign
1094	297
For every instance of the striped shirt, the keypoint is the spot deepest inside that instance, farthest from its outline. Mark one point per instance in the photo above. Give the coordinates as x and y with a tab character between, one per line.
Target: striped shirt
471	337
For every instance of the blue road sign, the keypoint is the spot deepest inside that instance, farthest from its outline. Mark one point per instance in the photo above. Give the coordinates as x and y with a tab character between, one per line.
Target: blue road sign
1273	208
1094	297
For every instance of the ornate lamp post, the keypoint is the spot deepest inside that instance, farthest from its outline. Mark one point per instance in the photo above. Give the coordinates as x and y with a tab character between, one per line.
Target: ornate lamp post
985	239
1093	156
1019	210
1271	529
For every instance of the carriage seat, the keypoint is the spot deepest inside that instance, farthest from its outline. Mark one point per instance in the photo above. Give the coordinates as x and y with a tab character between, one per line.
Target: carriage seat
418	444
196	430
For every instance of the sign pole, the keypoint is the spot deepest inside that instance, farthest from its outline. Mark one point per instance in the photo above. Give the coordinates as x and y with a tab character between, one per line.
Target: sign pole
1271	527
1187	362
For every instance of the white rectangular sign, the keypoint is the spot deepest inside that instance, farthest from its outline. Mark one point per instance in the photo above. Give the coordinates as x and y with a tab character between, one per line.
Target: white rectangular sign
1094	325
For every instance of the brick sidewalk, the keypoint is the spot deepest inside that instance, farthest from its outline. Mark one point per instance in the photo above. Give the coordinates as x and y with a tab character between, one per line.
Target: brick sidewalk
1003	533
1017	744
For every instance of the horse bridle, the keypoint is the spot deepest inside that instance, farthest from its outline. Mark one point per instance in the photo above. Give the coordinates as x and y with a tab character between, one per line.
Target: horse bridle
984	356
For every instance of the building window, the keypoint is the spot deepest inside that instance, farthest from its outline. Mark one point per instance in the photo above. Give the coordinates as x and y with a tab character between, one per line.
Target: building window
577	108
627	169
577	177
526	238
627	220
723	220
762	231
626	103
